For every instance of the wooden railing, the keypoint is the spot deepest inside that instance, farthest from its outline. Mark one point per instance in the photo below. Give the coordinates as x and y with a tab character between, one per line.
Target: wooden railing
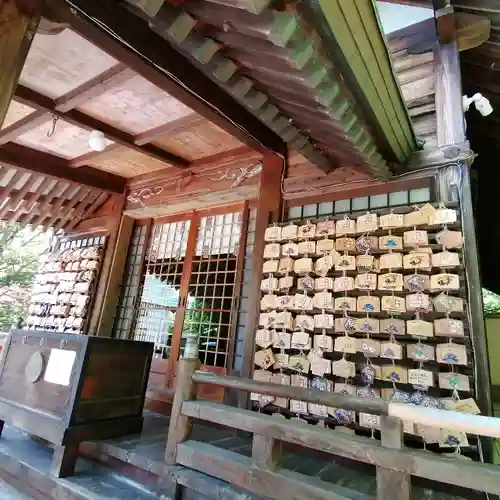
261	474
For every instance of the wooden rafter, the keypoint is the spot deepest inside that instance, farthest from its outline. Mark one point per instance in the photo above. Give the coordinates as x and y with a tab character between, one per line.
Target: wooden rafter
173	127
78	118
84	196
23	125
86	211
20	198
82	160
45	203
31	160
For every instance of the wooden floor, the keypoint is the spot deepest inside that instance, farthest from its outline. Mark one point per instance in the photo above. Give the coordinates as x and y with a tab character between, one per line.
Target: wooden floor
146	451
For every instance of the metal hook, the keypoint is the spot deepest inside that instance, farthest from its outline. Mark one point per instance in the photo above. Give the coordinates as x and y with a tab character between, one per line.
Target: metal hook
52	130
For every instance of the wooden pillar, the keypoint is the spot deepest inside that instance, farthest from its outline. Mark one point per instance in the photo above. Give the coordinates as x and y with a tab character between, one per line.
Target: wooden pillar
115	275
269	210
453	185
18	23
449	113
112	271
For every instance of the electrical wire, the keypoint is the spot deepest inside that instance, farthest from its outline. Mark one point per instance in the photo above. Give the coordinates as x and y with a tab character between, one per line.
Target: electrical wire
170	75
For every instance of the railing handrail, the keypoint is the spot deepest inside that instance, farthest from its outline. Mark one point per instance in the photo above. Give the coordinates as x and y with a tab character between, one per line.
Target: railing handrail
330	399
263	475
433	417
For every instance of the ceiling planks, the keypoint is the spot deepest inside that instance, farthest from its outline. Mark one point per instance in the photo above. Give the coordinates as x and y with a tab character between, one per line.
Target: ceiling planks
75	117
173	73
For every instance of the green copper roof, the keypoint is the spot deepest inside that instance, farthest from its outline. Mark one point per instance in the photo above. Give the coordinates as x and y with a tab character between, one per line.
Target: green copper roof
353	37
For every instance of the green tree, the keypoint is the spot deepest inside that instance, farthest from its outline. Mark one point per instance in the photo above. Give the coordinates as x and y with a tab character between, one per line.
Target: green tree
21	249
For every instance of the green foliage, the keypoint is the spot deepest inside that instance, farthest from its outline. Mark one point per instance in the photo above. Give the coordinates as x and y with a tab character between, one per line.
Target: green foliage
197	321
491	302
11	315
20	252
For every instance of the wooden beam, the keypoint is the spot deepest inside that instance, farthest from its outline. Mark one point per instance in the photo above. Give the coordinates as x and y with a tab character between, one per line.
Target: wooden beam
88	90
171	128
86	210
23	125
94	87
471	30
76	191
80	119
31	160
46	203
16	199
18	27
269	210
157	61
220	160
81	198
31	204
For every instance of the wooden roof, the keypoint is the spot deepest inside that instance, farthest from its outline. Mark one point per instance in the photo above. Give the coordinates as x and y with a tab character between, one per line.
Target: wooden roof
40	200
69	87
274	64
412	53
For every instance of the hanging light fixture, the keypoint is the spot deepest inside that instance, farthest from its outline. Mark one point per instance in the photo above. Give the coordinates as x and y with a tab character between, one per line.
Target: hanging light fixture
97	141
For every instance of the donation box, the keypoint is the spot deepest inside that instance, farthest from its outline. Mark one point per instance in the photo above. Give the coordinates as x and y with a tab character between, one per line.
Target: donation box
69	388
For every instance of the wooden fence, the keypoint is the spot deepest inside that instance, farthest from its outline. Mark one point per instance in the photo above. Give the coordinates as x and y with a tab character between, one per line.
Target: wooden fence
261	474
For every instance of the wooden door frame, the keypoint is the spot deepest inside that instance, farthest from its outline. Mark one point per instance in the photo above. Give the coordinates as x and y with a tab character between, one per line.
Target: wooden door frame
194	217
187	267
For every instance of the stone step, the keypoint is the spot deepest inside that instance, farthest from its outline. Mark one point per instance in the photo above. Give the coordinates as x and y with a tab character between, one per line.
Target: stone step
25	466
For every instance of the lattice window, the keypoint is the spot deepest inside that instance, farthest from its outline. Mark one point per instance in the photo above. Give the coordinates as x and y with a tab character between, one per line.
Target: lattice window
212	286
159	297
130	284
396	199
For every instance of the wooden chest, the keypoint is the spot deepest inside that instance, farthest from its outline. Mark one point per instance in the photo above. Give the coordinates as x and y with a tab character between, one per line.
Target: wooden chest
70	388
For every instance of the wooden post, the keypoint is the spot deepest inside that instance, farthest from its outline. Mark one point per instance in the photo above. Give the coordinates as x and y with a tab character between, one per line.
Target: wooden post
449	112
392	484
269	210
18	24
64	459
112	274
180	426
453	183
266	452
